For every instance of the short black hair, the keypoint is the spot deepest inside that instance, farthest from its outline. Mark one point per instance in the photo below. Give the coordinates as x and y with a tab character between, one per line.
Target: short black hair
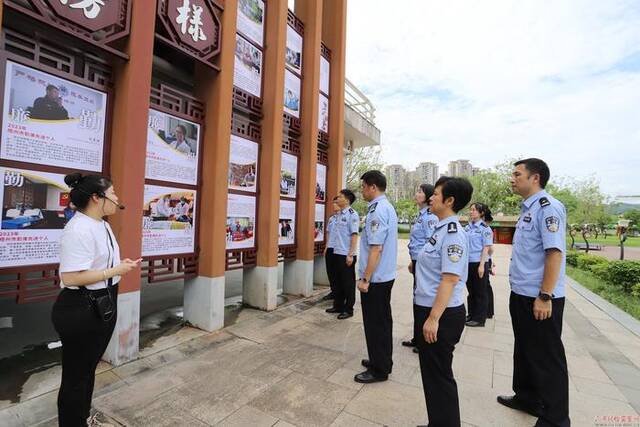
85	186
484	211
458	188
538	166
375	177
335	198
49	87
427	189
183	128
350	196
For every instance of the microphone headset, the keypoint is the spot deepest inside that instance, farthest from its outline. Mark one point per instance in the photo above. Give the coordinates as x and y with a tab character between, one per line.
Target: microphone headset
102	196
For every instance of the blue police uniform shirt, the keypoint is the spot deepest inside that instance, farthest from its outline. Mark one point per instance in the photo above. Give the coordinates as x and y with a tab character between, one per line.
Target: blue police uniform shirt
479	235
446	251
380	228
421	230
541	226
347	224
330	228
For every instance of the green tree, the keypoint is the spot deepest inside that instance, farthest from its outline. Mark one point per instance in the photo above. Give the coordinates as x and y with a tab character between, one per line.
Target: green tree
633	215
356	163
493	188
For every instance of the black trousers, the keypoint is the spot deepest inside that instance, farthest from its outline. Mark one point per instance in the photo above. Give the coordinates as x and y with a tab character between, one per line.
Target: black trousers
329	263
378	326
345	293
439	385
478	299
540	376
84	339
490	310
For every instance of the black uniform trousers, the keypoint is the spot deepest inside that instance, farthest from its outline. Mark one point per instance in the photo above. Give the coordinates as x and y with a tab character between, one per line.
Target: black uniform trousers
378	326
478	301
345	291
540	376
439	385
415	324
84	338
490	310
331	270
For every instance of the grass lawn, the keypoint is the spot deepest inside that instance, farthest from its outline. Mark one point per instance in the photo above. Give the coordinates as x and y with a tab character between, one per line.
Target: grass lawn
624	301
612	240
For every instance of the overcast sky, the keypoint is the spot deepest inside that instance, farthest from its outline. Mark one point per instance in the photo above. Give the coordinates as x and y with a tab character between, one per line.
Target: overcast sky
489	80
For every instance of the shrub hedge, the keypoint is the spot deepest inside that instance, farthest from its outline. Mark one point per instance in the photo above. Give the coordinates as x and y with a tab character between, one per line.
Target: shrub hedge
620	274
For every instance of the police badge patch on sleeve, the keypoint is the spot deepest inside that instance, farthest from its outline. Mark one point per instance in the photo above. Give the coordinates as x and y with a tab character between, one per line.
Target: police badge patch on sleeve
374	226
552	223
454	252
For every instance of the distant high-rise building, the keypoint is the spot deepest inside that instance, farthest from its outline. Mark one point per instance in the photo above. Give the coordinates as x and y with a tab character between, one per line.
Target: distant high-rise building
475	171
396	182
460	168
427	173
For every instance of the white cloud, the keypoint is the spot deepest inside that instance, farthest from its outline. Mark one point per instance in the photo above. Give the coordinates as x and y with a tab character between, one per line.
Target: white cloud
492	80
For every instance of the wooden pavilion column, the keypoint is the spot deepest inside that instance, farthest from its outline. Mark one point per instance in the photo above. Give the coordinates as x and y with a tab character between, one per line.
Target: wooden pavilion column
261	282
128	154
334	33
298	274
204	295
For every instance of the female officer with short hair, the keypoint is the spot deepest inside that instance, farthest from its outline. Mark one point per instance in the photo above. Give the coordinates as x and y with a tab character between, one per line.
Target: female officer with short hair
84	314
421	231
441	272
480	238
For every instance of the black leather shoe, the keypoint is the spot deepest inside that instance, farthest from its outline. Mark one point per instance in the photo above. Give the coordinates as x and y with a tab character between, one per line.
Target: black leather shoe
344	315
468	318
415	350
411	343
366	363
368	377
474	324
333	310
328	297
514	403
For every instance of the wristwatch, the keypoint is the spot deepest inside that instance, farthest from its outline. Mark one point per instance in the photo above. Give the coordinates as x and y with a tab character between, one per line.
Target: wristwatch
544	296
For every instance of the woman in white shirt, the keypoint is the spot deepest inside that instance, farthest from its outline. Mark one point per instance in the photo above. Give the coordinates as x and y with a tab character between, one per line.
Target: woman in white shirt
84	315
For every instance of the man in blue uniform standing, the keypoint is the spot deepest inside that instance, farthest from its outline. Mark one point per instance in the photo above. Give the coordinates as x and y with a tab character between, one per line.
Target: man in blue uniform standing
377	272
345	238
328	250
536	304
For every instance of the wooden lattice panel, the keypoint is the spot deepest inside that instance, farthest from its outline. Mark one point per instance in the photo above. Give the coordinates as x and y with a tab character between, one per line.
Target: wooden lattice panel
178	101
291	145
167	268
104	38
287	253
237	259
30	283
246	103
291	126
323	147
318	248
295	22
245	127
39	49
325	51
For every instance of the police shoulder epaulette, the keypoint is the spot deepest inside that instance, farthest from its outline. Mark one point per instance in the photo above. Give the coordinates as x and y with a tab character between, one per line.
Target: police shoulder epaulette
483	224
351	210
452	227
544	202
372	208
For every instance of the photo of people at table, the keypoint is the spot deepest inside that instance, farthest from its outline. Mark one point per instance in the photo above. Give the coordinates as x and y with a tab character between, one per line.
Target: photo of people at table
172	211
239	229
31	200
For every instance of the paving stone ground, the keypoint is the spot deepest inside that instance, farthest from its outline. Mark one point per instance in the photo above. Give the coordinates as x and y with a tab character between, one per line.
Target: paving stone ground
295	367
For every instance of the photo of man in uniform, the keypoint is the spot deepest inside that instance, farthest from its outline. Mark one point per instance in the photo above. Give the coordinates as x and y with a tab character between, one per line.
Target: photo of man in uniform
49	107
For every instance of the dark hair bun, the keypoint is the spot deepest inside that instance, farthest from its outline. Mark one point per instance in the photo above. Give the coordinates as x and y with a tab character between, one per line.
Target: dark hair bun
73	179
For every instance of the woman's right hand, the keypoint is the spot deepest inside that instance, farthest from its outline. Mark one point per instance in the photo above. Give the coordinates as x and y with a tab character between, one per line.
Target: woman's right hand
126	265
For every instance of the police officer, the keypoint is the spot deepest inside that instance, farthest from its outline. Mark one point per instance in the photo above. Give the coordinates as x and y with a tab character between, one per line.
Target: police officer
328	250
421	231
480	238
345	232
441	272
536	304
377	272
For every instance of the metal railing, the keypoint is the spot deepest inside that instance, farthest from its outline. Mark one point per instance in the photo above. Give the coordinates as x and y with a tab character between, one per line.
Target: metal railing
359	102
